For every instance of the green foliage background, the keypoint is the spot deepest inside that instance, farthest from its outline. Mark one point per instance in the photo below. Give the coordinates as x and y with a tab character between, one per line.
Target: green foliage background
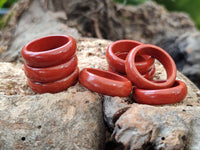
7	3
189	6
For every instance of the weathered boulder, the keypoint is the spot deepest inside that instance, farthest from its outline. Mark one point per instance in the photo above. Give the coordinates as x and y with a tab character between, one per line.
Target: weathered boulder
72	119
68	120
137	126
163	128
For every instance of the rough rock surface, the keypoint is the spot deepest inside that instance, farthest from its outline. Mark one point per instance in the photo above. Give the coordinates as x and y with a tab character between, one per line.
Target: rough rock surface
163	128
66	120
72	119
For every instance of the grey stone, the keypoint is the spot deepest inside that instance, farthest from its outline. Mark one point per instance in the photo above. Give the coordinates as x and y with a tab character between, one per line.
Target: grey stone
66	120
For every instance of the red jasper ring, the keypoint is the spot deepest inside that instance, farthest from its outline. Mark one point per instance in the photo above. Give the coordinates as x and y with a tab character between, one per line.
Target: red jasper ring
149	75
171	95
118	47
51	74
105	82
111	70
54	87
49	50
143	63
158	53
117	52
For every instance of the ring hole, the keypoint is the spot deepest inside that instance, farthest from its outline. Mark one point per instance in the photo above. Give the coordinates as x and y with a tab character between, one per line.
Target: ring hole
160	74
106	75
122	55
47	43
124	45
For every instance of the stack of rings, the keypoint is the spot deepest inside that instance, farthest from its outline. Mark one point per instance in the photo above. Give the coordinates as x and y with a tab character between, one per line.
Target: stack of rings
154	92
50	63
116	57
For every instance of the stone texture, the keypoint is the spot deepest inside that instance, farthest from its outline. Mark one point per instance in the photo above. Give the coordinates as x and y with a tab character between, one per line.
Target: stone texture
163	128
136	126
66	120
94	55
114	107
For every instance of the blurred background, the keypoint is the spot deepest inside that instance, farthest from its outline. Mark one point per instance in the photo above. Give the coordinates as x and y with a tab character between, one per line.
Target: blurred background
187	6
4	8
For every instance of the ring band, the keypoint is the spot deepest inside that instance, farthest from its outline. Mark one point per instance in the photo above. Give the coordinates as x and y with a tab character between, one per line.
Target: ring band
51	74
143	63
171	95
54	87
155	52
149	75
49	50
105	82
120	46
